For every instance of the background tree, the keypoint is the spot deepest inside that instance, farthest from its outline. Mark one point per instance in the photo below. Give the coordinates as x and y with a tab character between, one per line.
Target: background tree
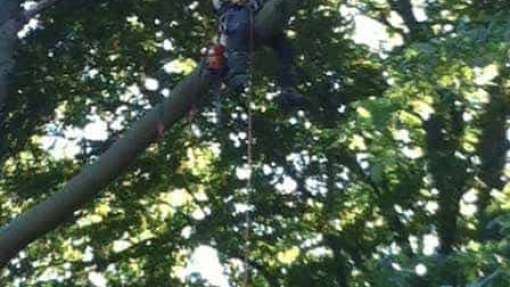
399	177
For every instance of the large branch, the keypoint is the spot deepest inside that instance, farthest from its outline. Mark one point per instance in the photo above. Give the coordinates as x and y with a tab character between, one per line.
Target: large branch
85	186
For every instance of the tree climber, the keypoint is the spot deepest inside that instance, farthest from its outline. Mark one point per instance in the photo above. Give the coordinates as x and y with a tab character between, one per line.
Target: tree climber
235	34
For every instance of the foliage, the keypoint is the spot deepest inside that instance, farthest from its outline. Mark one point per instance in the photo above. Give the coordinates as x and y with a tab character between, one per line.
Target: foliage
396	177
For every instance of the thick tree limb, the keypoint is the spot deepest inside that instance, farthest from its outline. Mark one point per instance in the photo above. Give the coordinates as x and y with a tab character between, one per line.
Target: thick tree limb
81	189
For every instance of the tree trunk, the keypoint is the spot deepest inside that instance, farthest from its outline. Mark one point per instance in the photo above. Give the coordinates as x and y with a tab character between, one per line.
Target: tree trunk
492	149
83	188
444	132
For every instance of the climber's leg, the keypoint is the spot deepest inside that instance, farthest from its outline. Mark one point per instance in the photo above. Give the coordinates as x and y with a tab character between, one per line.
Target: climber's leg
237	31
289	96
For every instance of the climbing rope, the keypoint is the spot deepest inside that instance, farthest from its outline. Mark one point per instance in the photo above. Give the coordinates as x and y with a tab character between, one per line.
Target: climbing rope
249	151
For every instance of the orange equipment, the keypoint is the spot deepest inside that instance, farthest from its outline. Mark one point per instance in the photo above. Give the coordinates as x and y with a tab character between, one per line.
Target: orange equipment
215	57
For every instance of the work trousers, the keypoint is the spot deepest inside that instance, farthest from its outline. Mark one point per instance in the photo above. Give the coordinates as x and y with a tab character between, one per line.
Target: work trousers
237	29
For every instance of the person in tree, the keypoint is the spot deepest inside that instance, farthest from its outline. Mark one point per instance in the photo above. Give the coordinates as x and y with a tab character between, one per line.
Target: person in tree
236	35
